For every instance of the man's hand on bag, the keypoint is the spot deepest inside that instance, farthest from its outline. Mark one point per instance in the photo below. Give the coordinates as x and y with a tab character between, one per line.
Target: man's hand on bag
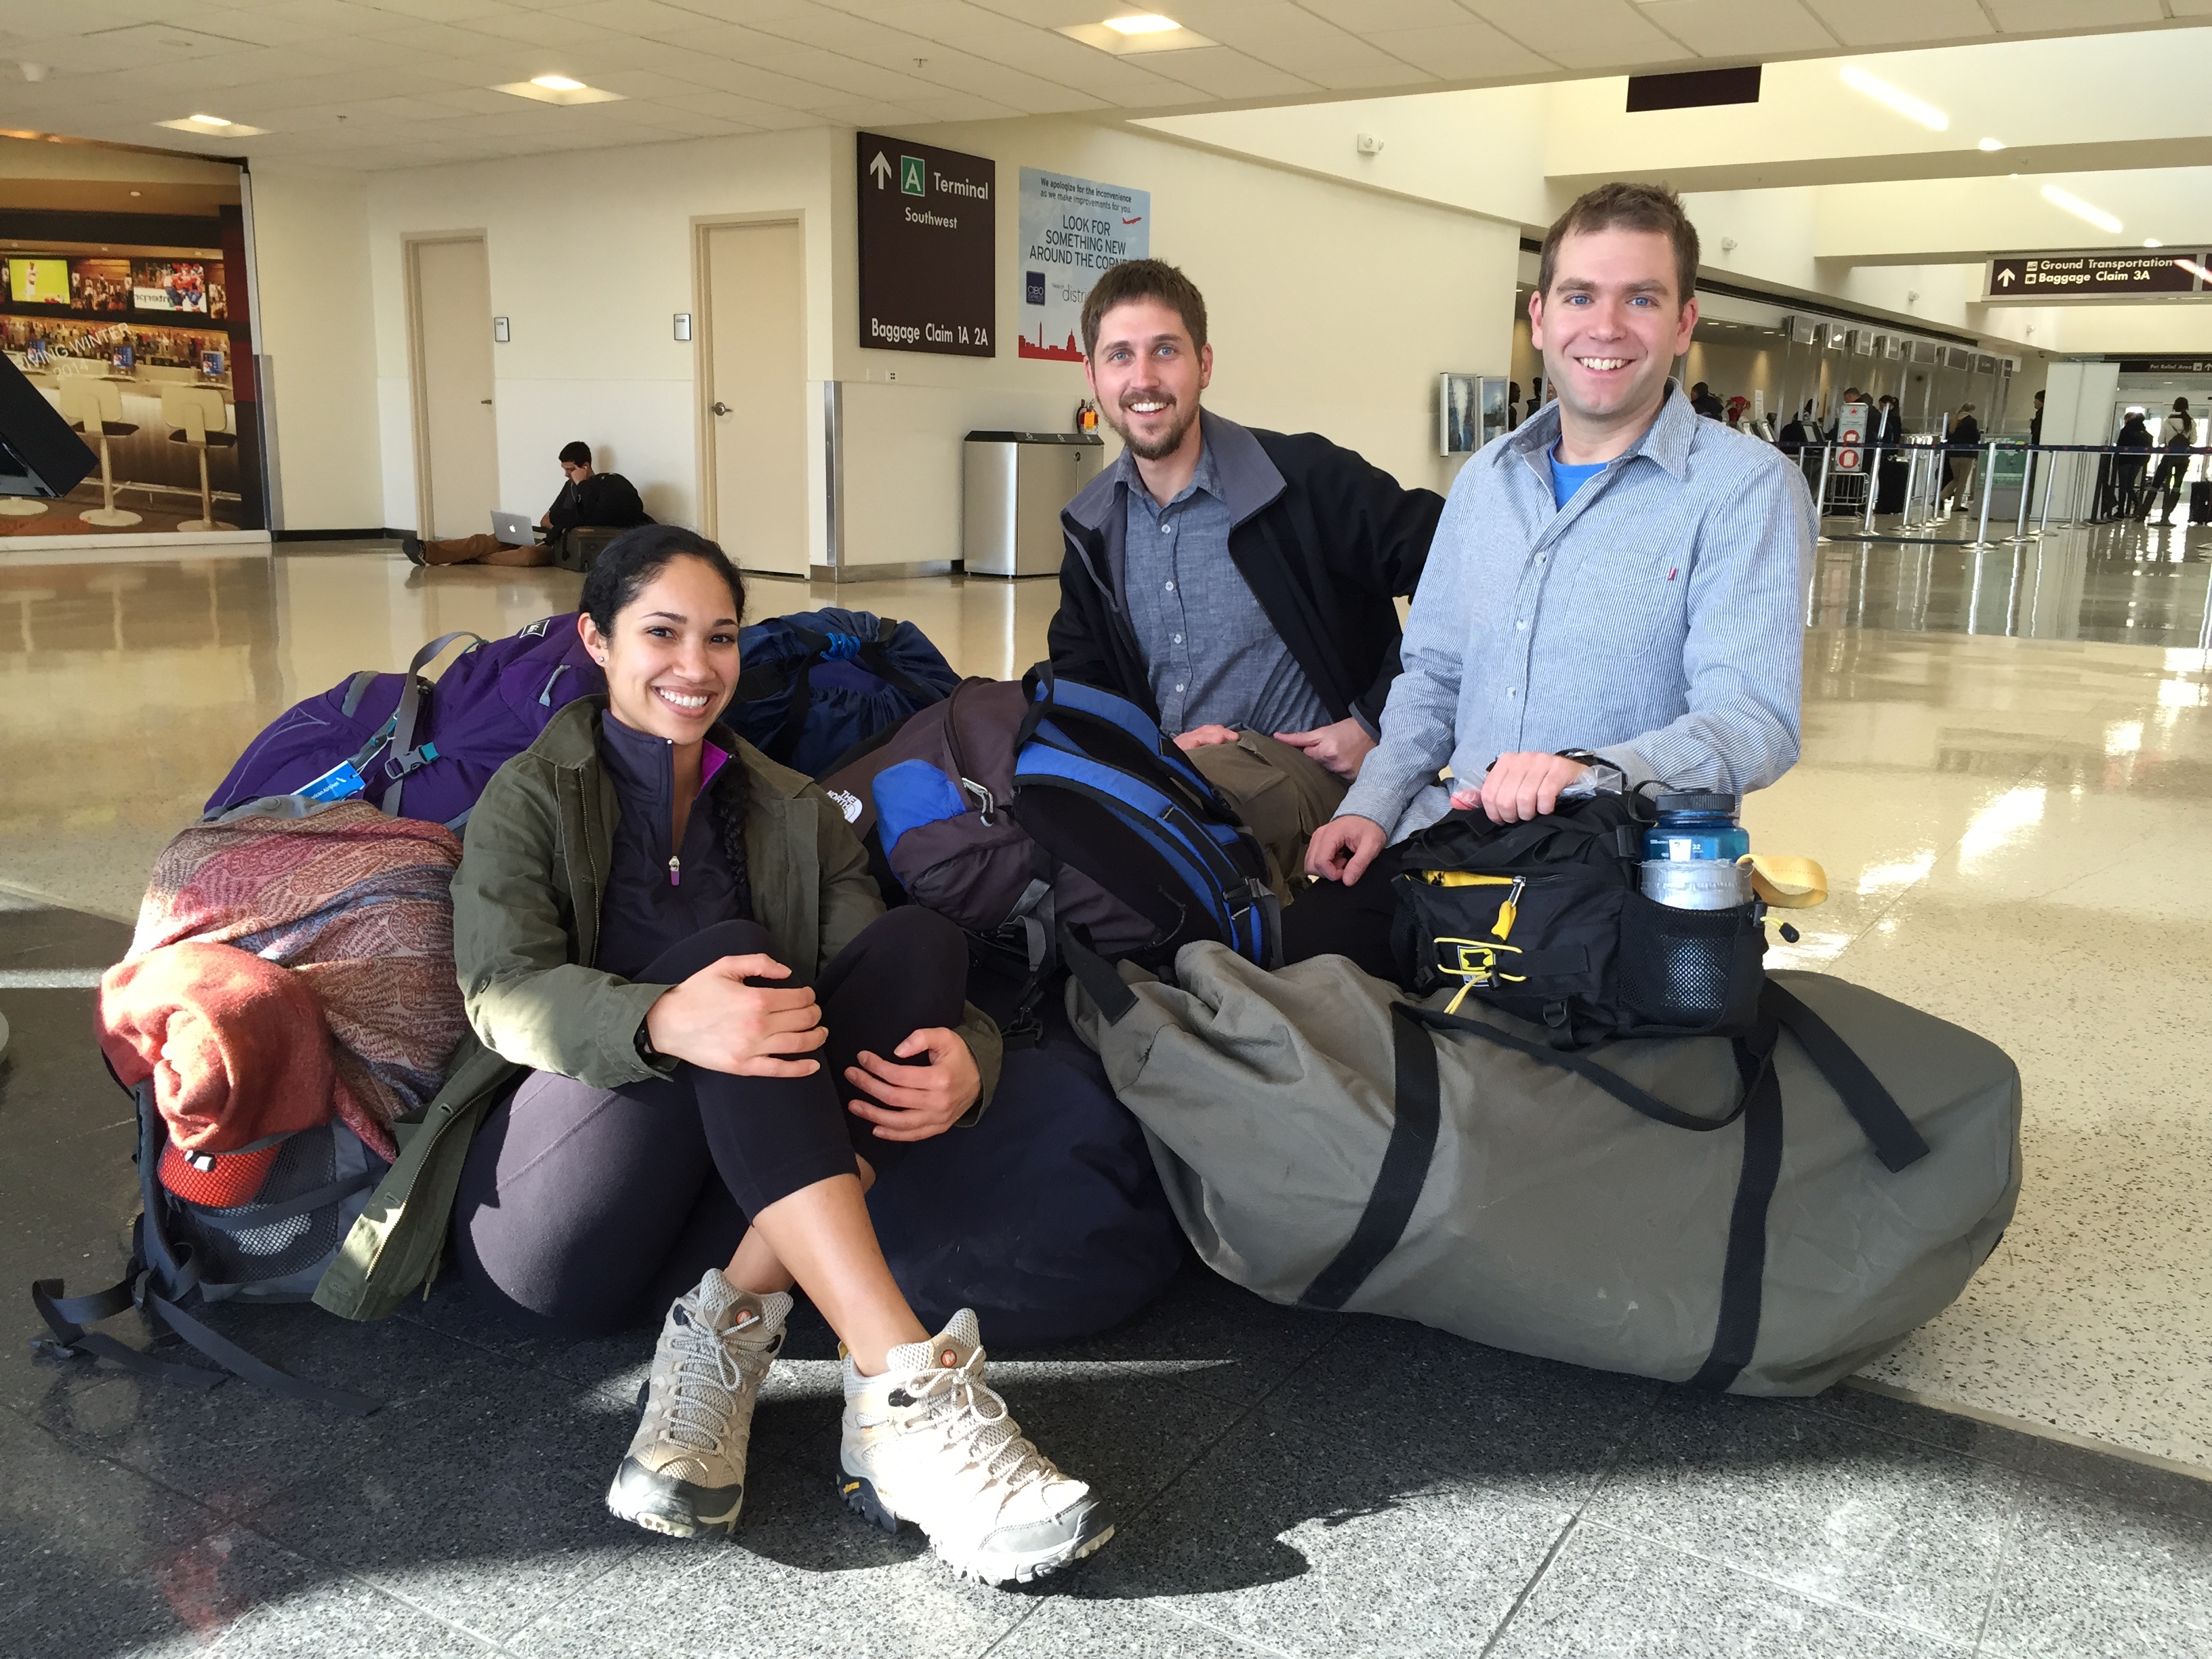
1204	736
1518	787
1340	747
1342	848
917	1100
720	1023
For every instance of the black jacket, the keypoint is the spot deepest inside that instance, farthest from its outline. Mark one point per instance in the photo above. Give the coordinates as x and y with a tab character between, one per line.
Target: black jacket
605	498
1325	541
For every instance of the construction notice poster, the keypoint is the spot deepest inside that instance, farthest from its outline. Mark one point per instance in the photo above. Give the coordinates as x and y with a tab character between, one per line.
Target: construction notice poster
928	242
1072	229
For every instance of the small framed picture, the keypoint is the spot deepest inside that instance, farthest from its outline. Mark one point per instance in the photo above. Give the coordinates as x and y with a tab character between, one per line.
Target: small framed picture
1471	410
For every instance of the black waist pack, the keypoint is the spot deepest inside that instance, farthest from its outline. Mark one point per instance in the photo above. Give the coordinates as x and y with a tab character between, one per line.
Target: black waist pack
1545	919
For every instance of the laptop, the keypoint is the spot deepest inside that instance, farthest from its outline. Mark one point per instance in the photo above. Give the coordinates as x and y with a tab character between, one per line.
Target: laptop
513	529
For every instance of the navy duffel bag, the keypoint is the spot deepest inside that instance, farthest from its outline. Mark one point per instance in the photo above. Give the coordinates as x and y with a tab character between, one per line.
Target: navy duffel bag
1046	1217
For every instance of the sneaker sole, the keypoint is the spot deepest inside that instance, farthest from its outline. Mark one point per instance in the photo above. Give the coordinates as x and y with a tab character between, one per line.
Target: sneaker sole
677	1509
859	1495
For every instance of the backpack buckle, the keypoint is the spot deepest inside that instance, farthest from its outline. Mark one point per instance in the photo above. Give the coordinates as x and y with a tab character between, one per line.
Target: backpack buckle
986	803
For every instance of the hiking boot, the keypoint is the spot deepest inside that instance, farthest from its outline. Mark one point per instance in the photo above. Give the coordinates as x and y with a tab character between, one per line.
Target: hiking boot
684	1473
927	1441
411	545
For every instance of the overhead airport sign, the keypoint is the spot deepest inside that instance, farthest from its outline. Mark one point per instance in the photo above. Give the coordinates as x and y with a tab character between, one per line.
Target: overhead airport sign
2095	276
928	242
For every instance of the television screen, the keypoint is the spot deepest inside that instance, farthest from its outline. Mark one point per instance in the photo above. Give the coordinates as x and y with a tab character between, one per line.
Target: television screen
212	365
101	284
39	282
168	285
119	357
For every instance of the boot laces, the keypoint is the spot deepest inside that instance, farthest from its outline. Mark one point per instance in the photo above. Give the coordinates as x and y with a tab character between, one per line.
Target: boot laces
972	1416
711	1375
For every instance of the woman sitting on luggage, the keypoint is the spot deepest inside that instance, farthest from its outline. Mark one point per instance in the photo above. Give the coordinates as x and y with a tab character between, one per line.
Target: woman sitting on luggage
730	1038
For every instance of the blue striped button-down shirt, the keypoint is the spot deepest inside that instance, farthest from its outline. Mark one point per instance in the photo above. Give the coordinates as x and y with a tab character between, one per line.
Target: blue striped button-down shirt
1655	619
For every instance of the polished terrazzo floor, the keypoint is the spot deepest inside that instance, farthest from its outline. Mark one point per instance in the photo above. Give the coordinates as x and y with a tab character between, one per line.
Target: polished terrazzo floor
2007	759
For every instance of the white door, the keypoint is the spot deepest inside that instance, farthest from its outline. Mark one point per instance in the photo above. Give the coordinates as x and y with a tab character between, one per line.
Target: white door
457	438
756	393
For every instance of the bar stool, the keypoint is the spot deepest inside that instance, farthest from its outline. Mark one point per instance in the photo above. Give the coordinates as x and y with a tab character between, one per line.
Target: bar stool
197	417
95	407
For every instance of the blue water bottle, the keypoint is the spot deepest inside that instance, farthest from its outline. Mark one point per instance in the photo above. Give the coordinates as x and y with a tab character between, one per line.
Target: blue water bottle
1690	855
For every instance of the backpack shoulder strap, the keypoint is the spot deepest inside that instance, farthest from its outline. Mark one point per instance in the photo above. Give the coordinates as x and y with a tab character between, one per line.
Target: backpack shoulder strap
406	757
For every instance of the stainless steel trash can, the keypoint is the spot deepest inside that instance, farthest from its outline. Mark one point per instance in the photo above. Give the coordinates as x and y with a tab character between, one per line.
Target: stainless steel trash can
1014	485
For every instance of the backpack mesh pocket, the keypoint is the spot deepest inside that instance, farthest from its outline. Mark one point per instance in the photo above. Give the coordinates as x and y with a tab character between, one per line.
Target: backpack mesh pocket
1690	971
249	1243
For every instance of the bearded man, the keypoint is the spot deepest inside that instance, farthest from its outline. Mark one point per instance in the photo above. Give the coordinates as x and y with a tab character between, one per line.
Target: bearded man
1238	585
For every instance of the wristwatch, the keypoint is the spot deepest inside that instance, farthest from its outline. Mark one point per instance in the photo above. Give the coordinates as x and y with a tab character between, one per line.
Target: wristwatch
646	1052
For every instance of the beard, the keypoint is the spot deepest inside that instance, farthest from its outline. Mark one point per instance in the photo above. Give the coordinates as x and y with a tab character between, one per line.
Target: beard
1168	440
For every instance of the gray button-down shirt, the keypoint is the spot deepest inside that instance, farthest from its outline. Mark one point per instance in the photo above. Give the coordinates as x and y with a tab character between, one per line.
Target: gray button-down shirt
1655	619
1211	653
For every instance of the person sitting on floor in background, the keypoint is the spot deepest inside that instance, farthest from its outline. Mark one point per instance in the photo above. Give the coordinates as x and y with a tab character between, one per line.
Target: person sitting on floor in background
1239	585
607	500
1706	402
1615	596
676	944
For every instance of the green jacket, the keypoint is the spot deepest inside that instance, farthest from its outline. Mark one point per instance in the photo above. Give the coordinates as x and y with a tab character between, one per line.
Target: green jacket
525	924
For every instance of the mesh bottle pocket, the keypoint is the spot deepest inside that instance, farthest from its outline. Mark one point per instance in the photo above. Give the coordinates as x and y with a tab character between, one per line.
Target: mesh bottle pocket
1690	971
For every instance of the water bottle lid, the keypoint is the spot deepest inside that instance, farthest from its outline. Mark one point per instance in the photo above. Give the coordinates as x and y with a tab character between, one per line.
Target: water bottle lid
1697	801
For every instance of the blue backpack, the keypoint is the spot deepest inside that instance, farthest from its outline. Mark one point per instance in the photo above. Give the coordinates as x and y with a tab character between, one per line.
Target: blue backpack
817	682
1024	811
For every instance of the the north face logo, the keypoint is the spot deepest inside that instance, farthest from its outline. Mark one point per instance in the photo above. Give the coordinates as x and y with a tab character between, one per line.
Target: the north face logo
847	803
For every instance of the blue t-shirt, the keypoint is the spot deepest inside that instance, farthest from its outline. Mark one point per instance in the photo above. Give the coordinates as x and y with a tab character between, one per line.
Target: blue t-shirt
1566	480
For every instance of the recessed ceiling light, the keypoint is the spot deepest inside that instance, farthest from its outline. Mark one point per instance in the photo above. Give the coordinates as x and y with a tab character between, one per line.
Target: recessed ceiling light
1150	22
1902	101
2081	210
1138	32
212	126
2153	241
137	193
559	89
1992	145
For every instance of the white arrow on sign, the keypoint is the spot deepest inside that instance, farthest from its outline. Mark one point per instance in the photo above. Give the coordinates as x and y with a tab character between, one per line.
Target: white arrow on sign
2004	278
881	168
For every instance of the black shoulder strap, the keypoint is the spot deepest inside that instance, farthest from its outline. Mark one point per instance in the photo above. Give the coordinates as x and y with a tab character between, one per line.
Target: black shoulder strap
1872	1107
1405	1171
1743	1265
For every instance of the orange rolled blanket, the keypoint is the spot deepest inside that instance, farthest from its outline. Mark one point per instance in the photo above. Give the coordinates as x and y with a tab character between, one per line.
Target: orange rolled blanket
236	1044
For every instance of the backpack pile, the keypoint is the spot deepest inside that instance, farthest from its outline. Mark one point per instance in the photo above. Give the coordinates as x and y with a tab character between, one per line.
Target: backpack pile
1763	1214
1021	811
810	687
814	685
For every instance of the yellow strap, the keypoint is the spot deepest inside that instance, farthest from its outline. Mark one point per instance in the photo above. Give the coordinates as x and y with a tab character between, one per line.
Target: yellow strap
1785	882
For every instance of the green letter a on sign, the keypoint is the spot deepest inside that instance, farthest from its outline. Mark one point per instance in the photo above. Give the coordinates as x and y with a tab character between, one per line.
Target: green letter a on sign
913	177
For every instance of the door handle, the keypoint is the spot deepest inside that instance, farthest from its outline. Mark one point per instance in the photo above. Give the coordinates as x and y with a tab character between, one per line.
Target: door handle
486	402
720	408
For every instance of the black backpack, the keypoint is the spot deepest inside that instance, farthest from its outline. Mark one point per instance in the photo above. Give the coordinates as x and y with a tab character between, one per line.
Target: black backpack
1546	920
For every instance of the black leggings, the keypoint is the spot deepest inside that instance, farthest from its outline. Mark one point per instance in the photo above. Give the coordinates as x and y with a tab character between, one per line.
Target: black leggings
583	1210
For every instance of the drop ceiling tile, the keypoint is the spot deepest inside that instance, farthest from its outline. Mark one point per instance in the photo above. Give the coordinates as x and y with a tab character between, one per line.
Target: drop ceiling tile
956	73
730	106
869	113
848	75
1583	33
627	16
476	101
1223	72
961	107
2033	16
437	11
685	124
720	75
1902	22
1740	28
544	34
1464	51
1058	14
636	84
1367	16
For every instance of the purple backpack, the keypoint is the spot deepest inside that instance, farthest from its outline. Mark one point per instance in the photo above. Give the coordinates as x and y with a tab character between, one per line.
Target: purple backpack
416	750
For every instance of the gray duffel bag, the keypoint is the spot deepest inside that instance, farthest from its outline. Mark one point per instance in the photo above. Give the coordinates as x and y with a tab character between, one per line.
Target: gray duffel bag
1764	1216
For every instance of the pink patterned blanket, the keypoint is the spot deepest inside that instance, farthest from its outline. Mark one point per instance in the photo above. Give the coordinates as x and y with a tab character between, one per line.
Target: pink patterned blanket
360	906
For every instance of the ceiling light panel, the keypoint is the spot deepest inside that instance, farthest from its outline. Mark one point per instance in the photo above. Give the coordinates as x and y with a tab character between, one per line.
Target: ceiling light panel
2090	211
1896	98
1128	34
210	126
566	91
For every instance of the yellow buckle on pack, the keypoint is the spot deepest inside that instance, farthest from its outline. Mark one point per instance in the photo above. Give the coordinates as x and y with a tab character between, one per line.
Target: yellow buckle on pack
1476	964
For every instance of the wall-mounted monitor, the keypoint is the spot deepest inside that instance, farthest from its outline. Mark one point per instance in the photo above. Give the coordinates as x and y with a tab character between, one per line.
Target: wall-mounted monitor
38	280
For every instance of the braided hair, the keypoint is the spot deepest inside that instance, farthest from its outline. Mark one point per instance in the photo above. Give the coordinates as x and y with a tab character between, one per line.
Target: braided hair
621	572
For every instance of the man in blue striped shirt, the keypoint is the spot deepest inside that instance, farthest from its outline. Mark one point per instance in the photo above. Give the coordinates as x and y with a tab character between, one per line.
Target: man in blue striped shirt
1615	591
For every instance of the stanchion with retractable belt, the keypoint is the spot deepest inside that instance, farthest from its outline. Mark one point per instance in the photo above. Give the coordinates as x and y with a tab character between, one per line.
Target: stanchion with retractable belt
1989	484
